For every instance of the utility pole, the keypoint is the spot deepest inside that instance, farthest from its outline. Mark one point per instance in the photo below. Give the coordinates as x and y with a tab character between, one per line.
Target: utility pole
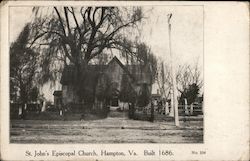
175	100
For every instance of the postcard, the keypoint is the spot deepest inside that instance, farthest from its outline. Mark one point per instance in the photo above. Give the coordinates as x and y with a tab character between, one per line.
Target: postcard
124	80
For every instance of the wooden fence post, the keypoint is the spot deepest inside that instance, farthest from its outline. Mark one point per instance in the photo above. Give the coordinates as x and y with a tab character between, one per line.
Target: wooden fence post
152	111
202	109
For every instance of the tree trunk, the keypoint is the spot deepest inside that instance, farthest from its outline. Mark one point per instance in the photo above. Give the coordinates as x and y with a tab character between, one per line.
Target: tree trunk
79	78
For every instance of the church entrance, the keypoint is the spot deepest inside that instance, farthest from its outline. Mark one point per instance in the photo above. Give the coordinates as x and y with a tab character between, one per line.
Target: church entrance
114	101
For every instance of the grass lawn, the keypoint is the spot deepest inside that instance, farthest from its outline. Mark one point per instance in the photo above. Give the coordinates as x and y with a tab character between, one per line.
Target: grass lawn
108	130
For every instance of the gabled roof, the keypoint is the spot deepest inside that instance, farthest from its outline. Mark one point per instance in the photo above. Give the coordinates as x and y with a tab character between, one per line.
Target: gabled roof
69	74
135	72
125	68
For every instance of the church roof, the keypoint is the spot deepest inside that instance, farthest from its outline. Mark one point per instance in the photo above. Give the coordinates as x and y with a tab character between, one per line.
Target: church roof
69	74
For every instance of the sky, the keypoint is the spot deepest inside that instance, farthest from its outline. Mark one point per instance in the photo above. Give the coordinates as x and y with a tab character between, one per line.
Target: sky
186	33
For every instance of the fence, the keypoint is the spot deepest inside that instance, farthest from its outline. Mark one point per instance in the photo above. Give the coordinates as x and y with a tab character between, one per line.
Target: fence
193	109
188	110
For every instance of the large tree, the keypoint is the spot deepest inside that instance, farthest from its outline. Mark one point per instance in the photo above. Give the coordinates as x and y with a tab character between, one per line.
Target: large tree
188	77
163	78
189	82
190	93
146	60
23	67
77	35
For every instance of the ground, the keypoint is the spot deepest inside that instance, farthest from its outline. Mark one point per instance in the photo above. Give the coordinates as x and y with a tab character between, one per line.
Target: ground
108	130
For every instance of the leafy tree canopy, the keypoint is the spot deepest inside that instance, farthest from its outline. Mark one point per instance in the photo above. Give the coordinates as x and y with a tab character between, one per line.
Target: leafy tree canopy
23	65
76	35
190	93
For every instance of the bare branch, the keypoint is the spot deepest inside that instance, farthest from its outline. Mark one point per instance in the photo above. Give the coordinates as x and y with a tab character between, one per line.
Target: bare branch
77	25
67	20
61	22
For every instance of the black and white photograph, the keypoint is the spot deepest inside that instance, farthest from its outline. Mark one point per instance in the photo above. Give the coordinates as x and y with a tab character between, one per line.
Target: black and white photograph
106	74
124	80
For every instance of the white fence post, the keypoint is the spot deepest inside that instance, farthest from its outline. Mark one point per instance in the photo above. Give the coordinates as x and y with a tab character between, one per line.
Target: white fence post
172	105
191	109
60	112
166	108
186	107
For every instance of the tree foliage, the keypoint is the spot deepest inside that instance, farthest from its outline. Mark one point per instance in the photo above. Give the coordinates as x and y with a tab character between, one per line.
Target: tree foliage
188	78
23	65
163	78
77	35
188	75
34	94
102	87
146	60
190	93
127	93
144	96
